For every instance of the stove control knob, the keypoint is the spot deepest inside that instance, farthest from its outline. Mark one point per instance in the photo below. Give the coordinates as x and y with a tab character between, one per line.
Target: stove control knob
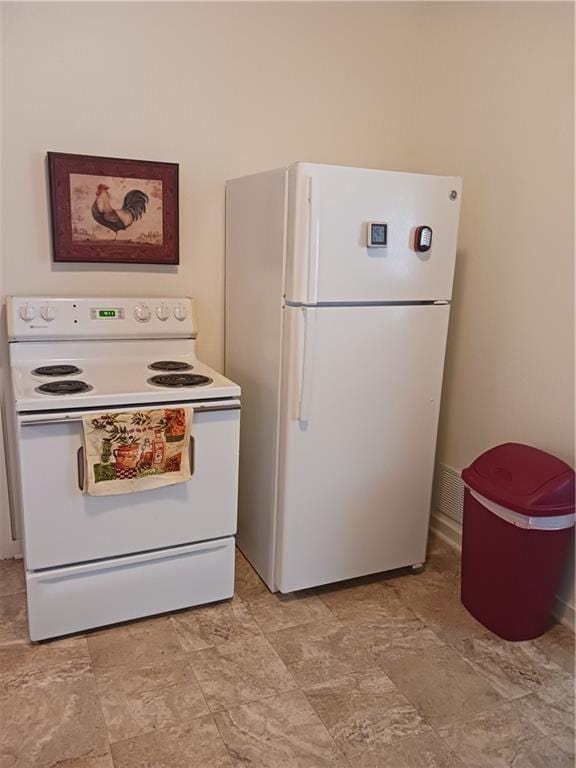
142	313
163	312
180	311
48	312
27	313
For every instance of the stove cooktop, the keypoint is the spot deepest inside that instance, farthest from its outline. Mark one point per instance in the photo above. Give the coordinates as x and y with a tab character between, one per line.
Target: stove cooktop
113	374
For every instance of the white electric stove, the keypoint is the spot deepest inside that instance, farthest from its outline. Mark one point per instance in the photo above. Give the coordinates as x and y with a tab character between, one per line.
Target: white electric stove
96	560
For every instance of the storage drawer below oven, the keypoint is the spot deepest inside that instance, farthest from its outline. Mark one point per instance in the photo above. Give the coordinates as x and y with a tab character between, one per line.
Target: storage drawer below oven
64	600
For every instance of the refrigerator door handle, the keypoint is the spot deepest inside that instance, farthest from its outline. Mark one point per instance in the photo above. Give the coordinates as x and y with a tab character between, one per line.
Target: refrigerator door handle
313	240
309	314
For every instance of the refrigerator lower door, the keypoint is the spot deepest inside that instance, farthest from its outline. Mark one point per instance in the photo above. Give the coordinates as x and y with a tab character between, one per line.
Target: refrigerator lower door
360	405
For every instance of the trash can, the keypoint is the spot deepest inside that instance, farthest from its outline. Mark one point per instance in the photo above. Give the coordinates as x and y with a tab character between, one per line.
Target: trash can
518	521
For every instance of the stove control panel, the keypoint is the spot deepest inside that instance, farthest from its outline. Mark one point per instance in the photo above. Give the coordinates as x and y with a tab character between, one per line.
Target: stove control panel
32	317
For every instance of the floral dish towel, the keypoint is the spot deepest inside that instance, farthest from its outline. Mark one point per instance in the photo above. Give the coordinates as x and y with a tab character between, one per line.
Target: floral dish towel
136	450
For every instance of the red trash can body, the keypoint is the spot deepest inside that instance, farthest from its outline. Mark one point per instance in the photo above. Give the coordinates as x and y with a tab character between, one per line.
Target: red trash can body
517	532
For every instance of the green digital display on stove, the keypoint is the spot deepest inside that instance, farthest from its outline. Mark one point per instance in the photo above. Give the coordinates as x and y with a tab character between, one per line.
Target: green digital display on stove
106	313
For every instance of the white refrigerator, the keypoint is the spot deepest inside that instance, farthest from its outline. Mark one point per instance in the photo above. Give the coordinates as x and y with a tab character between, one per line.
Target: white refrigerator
338	290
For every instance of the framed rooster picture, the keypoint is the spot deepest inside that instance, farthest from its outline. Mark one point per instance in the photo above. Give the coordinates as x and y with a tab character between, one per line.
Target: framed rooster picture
107	209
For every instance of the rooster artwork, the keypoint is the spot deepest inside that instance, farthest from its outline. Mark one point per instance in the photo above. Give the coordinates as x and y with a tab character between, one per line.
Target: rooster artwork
113	210
116	210
117	219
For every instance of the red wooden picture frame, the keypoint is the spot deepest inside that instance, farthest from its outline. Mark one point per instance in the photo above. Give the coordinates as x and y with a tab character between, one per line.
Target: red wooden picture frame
111	210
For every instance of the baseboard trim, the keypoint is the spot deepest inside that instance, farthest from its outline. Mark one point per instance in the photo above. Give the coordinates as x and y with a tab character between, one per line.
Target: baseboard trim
564	613
446	529
451	532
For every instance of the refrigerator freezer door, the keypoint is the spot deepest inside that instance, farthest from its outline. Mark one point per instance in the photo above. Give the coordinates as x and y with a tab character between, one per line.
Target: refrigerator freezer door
330	210
358	440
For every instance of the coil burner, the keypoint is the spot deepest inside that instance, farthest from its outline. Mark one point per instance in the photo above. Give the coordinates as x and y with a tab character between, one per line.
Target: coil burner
180	380
66	387
56	370
170	365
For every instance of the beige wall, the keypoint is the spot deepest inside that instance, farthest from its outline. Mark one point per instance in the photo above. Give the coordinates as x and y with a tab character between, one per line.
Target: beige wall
499	100
498	108
7	546
479	89
223	89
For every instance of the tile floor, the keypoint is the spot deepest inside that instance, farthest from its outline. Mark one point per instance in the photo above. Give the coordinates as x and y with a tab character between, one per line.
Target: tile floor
375	673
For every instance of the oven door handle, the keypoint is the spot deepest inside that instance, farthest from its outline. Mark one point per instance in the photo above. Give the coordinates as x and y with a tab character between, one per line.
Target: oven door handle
30	420
192	454
81	465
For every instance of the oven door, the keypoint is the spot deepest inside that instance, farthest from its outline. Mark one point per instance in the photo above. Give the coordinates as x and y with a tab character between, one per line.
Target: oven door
63	525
